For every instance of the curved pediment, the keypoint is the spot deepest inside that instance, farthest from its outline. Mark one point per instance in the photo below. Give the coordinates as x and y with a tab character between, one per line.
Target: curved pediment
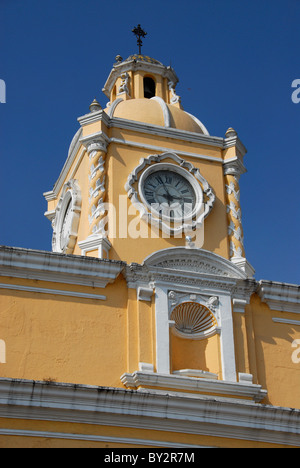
193	260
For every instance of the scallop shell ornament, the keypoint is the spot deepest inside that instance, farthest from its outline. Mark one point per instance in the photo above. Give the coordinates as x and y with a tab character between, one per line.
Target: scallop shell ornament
193	320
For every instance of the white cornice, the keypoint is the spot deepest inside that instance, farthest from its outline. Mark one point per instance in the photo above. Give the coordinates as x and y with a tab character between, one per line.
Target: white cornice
153	410
283	297
93	117
58	268
167	132
55	292
164	149
192	384
235	141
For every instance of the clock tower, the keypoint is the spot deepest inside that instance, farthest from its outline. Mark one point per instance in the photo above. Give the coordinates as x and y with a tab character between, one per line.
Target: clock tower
143	175
144	326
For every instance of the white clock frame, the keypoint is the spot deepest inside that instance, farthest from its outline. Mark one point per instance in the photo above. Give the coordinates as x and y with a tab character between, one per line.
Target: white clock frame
178	170
70	194
185	169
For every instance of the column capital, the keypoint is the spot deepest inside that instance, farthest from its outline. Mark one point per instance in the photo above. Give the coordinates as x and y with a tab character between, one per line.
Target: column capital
95	142
234	167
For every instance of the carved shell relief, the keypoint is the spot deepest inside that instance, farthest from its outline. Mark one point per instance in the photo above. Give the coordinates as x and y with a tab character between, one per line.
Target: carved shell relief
193	320
195	316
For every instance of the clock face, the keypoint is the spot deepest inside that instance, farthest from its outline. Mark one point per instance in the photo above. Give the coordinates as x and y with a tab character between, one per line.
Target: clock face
65	228
169	193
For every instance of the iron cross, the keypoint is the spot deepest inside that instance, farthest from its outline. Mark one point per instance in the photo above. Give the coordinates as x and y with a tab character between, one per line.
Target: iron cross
139	32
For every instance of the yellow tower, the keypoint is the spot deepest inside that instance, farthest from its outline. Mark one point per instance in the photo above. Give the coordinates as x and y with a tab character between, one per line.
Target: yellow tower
143	175
145	326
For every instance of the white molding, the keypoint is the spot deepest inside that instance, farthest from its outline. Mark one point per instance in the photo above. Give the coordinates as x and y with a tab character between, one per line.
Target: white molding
58	268
144	294
165	110
93	117
244	265
71	194
234	140
96	438
286	321
194	271
154	410
162	331
56	292
283	297
139	379
239	305
199	261
163	149
95	242
169	132
196	373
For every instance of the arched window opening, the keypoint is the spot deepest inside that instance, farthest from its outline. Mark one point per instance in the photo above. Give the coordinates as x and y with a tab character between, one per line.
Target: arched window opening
149	87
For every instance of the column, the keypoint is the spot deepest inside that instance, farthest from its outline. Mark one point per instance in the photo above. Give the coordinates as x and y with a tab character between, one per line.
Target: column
232	172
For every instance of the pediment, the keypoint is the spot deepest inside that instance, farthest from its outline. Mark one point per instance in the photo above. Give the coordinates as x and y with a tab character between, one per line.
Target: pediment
193	261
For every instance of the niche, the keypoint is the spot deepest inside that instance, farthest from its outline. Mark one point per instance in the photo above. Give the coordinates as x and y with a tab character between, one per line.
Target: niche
149	87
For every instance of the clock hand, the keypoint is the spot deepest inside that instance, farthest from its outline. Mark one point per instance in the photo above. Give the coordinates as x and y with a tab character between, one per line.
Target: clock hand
164	186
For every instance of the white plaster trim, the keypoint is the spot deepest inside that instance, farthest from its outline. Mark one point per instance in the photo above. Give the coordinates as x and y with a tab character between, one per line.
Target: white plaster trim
187	170
235	141
199	261
95	242
96	438
283	297
168	132
113	106
58	268
196	373
153	410
144	294
193	384
71	194
56	292
163	149
162	331
286	321
165	110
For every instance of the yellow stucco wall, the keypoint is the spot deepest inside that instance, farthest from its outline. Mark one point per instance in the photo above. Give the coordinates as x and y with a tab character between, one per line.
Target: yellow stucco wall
93	342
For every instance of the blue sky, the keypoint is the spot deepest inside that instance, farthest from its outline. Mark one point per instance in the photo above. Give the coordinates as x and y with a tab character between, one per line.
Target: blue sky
236	61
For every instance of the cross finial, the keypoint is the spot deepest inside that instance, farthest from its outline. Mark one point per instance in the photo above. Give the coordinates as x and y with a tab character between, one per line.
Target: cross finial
139	32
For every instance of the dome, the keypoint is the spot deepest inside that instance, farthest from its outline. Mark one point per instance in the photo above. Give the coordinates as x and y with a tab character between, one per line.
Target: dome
156	112
142	58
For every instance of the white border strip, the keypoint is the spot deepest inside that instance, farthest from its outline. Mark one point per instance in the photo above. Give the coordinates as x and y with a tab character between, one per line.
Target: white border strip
56	292
287	321
96	438
163	150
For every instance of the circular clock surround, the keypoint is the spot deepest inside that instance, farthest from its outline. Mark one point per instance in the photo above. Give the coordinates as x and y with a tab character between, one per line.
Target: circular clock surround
66	220
171	192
